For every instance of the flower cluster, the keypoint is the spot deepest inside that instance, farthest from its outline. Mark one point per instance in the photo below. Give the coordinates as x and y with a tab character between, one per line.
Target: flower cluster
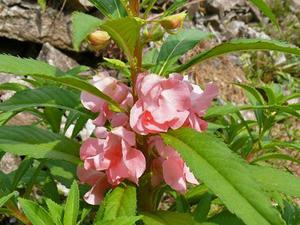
112	156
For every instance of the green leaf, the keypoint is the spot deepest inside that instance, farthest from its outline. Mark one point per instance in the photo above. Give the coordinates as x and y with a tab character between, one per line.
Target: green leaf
35	213
195	193
6	198
123	220
39	69
266	10
72	205
177	4
82	25
203	207
240	45
276	180
284	144
5	117
56	211
38	143
125	32
221	110
12	87
42	3
117	65
225	174
177	45
53	97
120	202
54	118
110	8
273	156
20	172
226	218
168	218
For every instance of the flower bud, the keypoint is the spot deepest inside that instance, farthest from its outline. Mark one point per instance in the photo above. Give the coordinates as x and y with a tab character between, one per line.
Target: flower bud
155	34
173	22
99	39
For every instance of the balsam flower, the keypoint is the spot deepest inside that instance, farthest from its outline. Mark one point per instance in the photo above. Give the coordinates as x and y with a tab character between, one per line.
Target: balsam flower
169	103
97	180
169	166
117	91
115	153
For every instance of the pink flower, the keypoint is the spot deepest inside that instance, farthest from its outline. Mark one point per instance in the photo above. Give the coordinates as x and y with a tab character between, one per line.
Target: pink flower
114	153
169	103
163	104
201	101
117	91
99	184
170	167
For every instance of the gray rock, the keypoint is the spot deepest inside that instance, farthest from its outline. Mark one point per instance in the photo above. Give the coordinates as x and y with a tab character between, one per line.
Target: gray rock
220	6
25	21
56	58
9	163
295	6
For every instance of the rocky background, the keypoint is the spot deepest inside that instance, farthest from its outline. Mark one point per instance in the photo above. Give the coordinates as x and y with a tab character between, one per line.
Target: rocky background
27	30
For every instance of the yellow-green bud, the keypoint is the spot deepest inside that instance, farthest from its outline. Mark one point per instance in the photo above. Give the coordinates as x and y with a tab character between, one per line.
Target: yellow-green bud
173	22
99	39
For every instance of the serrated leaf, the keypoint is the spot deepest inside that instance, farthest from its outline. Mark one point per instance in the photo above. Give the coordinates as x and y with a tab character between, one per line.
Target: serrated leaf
273	156
72	205
6	198
82	25
38	143
110	8
20	172
54	118
12	87
275	144
124	220
120	202
56	211
225	174
266	10
125	32
226	218
240	45
168	218
276	180
54	97
35	213
42	70
177	45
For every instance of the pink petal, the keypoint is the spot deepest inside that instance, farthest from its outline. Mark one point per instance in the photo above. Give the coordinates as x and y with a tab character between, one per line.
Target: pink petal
98	162
119	119
177	93
189	176
125	134
89	176
91	147
203	101
173	174
96	194
135	163
91	102
101	132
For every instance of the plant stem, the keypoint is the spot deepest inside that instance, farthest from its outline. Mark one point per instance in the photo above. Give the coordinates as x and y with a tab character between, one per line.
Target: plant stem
135	7
137	67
